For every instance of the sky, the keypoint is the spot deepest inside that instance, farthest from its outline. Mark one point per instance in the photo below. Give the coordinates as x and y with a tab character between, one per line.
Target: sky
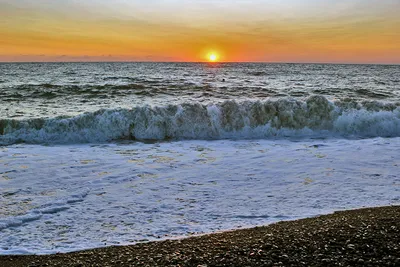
336	31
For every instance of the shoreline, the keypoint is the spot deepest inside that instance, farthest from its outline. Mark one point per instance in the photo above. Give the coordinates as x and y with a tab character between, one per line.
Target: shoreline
361	237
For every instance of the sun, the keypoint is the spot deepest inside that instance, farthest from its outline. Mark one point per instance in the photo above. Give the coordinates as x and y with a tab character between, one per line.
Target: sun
212	57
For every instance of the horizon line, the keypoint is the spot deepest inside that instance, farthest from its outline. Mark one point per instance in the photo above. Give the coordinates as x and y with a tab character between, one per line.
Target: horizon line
208	62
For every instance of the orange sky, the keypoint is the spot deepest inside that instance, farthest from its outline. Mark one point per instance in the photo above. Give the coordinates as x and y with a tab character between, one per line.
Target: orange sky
344	31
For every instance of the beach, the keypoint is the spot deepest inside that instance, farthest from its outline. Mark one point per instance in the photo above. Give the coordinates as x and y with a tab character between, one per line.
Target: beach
199	133
363	237
96	155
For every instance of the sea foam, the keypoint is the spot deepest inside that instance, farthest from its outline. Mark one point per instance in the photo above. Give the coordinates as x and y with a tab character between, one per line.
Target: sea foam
281	118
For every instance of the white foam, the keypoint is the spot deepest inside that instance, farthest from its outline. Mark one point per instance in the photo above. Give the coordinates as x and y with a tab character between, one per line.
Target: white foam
372	124
19	220
74	197
238	120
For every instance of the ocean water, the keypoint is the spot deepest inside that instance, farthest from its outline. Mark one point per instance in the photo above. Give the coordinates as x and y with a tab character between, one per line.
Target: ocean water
98	154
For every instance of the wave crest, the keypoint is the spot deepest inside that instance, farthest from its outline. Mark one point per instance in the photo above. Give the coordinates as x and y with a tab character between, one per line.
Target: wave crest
284	117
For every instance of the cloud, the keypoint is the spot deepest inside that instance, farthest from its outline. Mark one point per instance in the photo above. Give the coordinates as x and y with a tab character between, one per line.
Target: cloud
187	30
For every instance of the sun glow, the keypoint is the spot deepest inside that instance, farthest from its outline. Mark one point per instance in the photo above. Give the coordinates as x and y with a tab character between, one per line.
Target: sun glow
213	57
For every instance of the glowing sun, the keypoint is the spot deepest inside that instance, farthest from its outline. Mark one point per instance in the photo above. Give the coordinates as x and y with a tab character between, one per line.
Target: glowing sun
212	57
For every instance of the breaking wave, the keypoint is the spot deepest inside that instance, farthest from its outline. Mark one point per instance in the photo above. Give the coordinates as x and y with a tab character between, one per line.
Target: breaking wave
281	118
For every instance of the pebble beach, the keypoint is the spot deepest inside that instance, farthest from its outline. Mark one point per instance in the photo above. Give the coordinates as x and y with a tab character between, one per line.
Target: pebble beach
363	237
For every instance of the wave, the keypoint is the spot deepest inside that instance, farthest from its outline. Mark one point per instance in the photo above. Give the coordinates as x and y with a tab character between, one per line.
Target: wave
78	89
50	91
281	118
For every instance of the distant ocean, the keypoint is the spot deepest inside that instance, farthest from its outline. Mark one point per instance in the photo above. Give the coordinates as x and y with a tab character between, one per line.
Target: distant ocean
97	154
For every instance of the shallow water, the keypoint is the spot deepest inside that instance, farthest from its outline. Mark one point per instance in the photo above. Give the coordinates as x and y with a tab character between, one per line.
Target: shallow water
70	197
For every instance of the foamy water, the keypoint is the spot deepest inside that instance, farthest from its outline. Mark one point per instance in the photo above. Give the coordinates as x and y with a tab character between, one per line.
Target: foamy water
64	198
315	117
103	154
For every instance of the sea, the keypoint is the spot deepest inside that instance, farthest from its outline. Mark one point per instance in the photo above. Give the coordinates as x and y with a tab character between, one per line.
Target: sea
104	154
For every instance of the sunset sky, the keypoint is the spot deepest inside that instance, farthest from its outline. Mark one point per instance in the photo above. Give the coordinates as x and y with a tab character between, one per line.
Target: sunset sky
345	31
